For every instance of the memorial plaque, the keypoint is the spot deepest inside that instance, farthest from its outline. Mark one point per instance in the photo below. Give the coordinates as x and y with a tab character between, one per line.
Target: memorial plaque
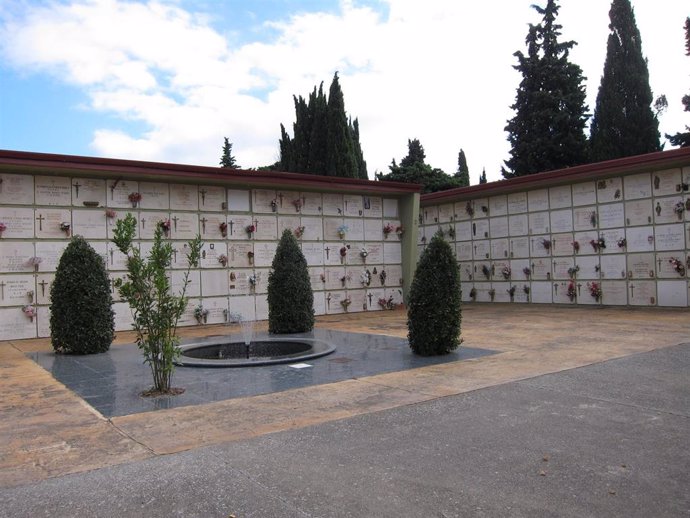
211	253
584	194
560	197
541	293
210	225
375	253
613	267
288	223
355	230
460	210
313	253
183	197
15	325
243	305
263	253
499	249
614	293
315	278
517	203
336	278
584	297
466	271
118	193
669	237
238	200
611	238
334	302
585	218
539	223
480	229
463	251
373	230
561	221
483	289
429	214
482	249
319	303
390	208
313	229
148	221
518	269
237	226
396	293
49	222
517	225
664	266
53	190
50	253
266	228
538	200
217	310
239	255
16	189
115	260
463	231
372	206
312	203
115	215
666	182
261	286
541	268
672	293
611	215
112	277
637	186
639	239
642	293
354	278
89	192
498	226
353	205
19	222
638	212
446	213
212	198
332	204
288	202
609	190
123	316
584	240
589	267
562	244
43	321
44	282
17	290
214	283
519	247
261	304
664	209
392	253
502	293
184	225
641	266
498	205
540	245
358	301
154	196
90	224
238	282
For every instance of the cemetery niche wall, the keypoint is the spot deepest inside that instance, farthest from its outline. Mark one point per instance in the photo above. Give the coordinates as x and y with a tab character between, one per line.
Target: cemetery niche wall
351	233
613	233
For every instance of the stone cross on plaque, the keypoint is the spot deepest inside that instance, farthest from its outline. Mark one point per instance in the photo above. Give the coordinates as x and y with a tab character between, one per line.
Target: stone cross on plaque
76	189
658	261
43	285
579	289
203	225
256	225
280	197
40	219
555	288
232	253
632	291
174	218
174	251
112	252
203	196
231	223
369	295
2	290
327	252
328	301
143	223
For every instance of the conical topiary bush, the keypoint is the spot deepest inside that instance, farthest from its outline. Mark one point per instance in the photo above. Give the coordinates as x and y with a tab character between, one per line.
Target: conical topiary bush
434	312
81	314
290	298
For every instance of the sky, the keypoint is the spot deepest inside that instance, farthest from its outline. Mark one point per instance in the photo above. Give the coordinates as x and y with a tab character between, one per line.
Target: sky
166	80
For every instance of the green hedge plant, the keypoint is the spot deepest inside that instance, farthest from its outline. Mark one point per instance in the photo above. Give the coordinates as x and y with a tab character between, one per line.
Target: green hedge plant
290	297
81	313
434	311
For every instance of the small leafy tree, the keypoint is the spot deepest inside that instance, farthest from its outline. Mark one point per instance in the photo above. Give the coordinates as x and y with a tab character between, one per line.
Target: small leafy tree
290	297
81	318
434	312
155	309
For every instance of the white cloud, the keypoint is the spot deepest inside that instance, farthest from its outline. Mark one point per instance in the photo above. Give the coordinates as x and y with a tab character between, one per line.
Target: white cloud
436	70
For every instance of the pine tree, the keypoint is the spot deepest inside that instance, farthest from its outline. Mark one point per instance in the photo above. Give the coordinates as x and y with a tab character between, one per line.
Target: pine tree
624	123
463	173
341	156
482	177
227	160
547	131
683	139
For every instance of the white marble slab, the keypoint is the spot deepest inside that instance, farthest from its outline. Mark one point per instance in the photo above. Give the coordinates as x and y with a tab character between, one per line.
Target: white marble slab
613	267
560	197
313	253
212	198
237	225
562	244
90	224
19	222
541	293
49	221
637	186
498	227
498	205
183	197
614	293
353	205
518	225
244	305
17	290
669	237
212	253
390	208
584	194
480	228
15	325
517	202
640	239
561	220
500	248
429	214
585	218
263	253
539	223
482	249
53	190
611	215
641	266
373	230
519	247
672	293
638	212
214	283
664	210
266	228
238	200
355	229
538	200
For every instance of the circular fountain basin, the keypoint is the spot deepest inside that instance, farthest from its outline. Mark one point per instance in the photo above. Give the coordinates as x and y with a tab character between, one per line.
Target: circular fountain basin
221	352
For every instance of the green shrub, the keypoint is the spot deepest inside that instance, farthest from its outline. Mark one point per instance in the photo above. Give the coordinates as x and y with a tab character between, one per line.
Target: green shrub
290	298
81	313
155	309
434	312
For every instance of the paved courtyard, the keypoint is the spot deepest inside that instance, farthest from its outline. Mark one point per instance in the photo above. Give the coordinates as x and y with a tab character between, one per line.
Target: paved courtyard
580	412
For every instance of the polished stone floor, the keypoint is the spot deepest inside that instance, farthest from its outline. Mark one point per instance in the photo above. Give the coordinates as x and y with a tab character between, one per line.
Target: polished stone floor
112	382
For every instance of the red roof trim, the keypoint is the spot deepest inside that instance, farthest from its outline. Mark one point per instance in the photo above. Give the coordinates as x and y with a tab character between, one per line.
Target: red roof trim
659	160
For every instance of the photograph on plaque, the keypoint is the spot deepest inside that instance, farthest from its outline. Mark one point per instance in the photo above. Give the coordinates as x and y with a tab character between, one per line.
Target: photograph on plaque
669	237
312	203
212	198
16	189
560	197
517	203
538	200
88	192
19	222
610	189
584	194
498	205
446	213
332	204
638	212
53	190
154	196
666	182
637	186
517	225
238	200
669	210
372	206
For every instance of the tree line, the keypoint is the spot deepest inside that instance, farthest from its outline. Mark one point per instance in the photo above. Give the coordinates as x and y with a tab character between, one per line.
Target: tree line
547	130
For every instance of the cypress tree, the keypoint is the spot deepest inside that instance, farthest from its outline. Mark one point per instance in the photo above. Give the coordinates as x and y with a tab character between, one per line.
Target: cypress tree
547	131
482	177
624	123
227	160
341	156
359	156
463	173
318	152
683	139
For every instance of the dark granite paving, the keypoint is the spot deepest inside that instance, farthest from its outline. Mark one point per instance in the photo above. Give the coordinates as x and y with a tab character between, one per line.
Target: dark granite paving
112	382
